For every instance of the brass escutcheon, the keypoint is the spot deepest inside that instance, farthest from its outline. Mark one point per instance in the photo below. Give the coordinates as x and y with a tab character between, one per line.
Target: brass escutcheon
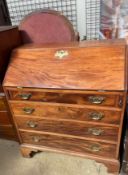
61	54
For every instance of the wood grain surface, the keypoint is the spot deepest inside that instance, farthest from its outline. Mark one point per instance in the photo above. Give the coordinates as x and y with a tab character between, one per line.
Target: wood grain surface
81	130
59	112
70	144
84	67
64	97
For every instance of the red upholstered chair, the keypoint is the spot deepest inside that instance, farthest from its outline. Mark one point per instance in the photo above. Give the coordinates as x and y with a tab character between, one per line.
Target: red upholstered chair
46	26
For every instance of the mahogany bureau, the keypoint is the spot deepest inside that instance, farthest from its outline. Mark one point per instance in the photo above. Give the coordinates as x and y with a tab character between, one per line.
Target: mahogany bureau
69	98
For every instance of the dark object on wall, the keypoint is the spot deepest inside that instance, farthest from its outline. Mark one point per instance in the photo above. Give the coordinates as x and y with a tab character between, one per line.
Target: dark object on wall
4	14
9	39
46	26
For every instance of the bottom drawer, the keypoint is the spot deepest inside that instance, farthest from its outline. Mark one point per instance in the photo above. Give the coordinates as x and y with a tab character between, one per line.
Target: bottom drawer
70	144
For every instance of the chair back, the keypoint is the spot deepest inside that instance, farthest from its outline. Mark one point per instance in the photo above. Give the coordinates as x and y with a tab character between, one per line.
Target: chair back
46	26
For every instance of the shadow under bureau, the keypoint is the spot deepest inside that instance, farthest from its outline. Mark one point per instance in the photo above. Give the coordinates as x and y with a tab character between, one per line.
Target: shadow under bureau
69	98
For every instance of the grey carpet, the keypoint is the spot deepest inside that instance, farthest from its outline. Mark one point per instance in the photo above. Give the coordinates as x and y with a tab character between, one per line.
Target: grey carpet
45	163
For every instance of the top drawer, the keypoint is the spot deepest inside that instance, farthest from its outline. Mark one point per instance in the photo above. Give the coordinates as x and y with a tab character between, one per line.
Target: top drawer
68	97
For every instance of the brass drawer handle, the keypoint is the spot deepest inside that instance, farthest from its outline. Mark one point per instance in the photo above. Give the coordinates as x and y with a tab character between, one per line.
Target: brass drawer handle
96	115
25	96
32	124
96	99
95	148
95	131
36	139
28	110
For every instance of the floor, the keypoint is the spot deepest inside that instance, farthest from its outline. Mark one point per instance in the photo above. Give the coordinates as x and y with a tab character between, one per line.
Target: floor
12	163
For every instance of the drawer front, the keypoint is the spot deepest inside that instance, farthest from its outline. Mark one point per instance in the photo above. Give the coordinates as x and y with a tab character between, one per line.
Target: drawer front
4	118
78	129
3	106
68	98
69	144
65	112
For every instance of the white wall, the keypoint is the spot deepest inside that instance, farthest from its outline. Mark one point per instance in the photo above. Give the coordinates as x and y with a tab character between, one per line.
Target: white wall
81	17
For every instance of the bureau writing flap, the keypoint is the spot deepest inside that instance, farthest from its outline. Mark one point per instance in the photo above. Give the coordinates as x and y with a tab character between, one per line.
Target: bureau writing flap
93	65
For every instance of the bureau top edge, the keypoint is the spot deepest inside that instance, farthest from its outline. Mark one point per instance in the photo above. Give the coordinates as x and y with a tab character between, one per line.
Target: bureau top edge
89	43
80	91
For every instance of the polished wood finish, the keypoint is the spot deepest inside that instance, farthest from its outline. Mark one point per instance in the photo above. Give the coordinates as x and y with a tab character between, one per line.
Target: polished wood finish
66	97
68	103
67	112
9	39
68	67
72	144
77	129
